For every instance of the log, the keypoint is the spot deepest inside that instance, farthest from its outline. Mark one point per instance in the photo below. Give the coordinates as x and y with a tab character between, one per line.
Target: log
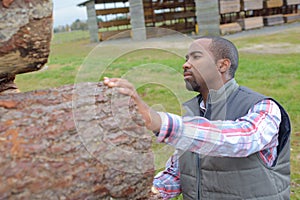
25	34
73	142
251	23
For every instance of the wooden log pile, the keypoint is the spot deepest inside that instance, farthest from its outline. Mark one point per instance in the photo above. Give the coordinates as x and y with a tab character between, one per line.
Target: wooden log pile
230	28
273	20
229	6
251	5
292	2
273	3
293	17
25	34
251	23
73	142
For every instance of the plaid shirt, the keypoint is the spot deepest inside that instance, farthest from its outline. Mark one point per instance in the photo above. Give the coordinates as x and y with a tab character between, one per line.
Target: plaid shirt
255	132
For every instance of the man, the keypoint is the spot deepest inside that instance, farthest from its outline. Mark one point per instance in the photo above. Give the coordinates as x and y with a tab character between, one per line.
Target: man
233	143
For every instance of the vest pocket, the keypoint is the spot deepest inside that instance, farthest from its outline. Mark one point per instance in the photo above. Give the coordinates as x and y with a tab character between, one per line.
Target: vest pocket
243	184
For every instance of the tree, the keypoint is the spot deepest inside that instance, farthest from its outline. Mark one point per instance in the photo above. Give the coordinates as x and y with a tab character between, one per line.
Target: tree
79	25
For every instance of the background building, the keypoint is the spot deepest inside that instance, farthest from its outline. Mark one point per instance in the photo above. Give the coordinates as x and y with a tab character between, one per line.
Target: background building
109	17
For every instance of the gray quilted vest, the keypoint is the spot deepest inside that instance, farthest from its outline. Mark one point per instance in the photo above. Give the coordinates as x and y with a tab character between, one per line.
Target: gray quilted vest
224	178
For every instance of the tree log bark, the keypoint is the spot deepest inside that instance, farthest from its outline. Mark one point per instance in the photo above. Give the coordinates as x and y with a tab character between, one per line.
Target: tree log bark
74	142
25	34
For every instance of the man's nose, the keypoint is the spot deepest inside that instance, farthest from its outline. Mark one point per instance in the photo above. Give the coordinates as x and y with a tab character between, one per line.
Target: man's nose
187	65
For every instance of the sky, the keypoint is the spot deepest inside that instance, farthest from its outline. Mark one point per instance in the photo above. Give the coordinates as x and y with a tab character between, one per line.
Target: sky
67	11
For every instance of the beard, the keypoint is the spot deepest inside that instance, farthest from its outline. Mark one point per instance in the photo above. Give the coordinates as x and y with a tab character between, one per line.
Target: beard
192	85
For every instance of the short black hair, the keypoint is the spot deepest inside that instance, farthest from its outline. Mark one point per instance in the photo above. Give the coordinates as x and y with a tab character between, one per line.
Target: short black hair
222	48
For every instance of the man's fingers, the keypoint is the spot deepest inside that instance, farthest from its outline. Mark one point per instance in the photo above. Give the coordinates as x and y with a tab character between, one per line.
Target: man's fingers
118	82
110	81
126	91
124	87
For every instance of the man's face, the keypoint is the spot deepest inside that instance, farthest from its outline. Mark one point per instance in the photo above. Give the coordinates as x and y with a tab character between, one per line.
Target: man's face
200	70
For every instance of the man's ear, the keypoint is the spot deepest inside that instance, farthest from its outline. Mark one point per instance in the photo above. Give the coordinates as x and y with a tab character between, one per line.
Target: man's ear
223	65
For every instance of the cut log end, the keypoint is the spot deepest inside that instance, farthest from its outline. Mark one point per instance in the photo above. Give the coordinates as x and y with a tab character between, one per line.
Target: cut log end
25	36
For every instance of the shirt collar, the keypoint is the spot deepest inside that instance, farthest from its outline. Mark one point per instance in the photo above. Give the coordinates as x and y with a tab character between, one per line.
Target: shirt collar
202	105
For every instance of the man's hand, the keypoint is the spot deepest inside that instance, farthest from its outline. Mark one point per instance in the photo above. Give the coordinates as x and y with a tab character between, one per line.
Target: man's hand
151	117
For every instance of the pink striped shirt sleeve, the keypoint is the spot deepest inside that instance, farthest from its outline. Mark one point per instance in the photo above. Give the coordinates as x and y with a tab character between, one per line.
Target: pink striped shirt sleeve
255	132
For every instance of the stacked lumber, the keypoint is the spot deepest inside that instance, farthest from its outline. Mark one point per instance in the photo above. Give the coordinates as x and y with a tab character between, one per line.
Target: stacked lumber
148	11
251	23
292	2
229	6
273	20
230	28
174	15
111	23
251	5
291	17
154	32
111	11
157	5
182	27
273	3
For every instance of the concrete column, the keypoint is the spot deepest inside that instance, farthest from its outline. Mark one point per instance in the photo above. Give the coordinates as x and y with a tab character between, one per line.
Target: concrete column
92	21
137	20
208	17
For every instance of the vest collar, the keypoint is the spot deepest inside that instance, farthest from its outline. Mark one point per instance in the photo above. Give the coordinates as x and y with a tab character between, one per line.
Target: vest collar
192	106
223	93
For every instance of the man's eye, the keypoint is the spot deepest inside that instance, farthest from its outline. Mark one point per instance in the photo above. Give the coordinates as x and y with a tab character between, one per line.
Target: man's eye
196	57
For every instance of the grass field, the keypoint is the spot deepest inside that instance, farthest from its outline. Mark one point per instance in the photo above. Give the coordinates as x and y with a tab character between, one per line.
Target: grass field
273	74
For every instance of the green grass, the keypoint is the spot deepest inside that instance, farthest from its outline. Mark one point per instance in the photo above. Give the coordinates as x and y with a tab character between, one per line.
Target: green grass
275	75
66	37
